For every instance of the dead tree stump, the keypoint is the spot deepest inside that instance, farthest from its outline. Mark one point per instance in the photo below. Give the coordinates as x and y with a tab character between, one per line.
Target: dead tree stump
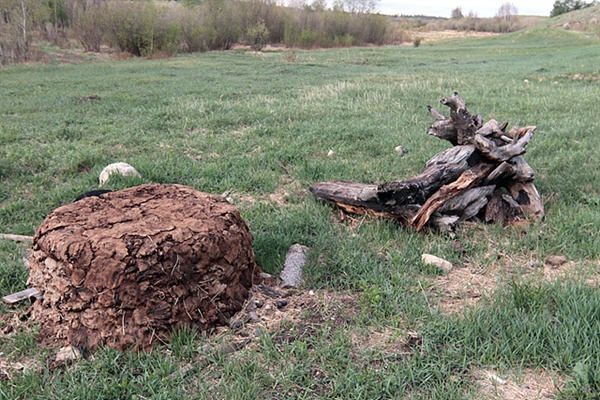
126	268
483	174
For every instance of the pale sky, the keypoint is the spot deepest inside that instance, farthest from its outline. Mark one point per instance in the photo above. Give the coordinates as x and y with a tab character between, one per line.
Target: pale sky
443	8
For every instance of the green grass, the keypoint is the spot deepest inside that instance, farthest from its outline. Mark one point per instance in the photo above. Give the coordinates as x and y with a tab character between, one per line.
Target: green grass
251	124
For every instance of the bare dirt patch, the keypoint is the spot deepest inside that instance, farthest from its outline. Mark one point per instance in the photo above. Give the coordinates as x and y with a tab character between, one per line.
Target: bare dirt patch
292	313
530	385
466	285
280	195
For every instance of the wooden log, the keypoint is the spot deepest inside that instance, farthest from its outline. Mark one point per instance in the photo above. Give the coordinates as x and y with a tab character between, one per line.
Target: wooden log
465	181
444	129
439	170
493	152
468	204
16	238
438	116
361	198
30	293
490	128
528	198
465	124
501	208
522	172
295	259
502	171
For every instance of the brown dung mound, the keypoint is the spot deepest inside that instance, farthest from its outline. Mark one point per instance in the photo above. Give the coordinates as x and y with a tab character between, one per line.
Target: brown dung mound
126	268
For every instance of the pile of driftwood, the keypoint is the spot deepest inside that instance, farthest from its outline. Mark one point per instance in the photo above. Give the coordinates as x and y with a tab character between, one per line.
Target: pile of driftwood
483	175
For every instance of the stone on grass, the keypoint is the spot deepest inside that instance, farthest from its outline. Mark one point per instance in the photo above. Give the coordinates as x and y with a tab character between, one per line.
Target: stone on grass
120	168
438	262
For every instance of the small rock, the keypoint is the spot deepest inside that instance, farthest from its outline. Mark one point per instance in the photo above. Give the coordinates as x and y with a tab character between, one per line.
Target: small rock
63	357
438	262
496	378
121	168
534	264
253	317
281	303
311	292
236	324
259	332
414	339
68	353
458	247
555	261
399	149
330	153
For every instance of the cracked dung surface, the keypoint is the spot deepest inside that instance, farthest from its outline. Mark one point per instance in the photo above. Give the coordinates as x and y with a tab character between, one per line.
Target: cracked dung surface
126	268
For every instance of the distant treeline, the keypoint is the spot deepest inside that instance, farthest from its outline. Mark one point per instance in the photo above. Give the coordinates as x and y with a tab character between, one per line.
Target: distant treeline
155	27
144	28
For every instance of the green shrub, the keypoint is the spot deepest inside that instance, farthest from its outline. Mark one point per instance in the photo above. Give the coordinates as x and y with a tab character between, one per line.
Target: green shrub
90	27
257	36
308	38
142	29
209	26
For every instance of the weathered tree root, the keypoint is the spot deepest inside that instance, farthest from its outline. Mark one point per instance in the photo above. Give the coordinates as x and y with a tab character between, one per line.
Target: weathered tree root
483	174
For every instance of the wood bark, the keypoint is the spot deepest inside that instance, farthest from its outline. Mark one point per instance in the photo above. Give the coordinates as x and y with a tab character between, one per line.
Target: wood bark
457	184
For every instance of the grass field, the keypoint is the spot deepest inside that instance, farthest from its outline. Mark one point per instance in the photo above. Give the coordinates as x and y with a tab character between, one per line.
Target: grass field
260	127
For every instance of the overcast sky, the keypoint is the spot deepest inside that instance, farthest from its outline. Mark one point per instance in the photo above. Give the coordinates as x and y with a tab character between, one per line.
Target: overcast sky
443	8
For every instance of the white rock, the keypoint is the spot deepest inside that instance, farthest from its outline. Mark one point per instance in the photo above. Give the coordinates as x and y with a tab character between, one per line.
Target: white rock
438	262
68	353
399	149
121	168
330	153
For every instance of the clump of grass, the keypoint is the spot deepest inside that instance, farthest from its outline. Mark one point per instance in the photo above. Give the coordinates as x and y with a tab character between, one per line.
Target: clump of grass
527	324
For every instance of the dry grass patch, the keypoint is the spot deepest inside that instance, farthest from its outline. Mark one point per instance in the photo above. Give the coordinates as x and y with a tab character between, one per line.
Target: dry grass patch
464	286
290	311
280	195
435	36
528	385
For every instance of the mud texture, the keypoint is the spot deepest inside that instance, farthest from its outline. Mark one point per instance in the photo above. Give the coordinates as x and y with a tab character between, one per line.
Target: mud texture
126	268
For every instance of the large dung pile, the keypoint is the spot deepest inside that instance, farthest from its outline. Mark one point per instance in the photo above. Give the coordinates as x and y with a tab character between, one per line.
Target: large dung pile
126	268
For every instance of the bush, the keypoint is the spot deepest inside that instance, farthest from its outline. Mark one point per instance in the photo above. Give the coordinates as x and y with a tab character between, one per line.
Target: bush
142	29
257	36
17	20
210	26
90	27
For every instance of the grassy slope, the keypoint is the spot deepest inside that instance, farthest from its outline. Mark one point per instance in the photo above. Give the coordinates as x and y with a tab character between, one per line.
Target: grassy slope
253	124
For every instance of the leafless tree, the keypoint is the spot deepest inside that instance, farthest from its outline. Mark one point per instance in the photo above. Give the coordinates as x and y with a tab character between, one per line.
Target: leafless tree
506	11
356	6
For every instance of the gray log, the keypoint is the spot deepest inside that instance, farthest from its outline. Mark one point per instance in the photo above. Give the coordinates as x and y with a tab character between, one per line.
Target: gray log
295	259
